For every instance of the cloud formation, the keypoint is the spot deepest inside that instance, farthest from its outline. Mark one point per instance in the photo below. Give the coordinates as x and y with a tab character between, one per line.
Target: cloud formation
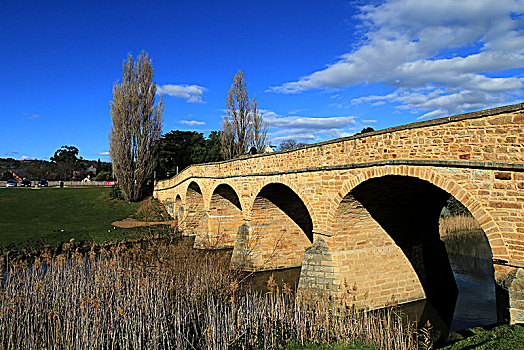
440	56
192	122
191	93
103	153
307	129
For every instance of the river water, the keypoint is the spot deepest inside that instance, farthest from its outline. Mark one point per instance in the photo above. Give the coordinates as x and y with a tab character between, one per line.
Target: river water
470	258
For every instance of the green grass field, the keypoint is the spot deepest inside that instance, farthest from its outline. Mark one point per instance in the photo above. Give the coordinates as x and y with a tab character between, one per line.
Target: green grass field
50	216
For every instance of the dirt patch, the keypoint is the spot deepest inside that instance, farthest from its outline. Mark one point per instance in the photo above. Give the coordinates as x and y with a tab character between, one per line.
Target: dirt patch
150	209
130	223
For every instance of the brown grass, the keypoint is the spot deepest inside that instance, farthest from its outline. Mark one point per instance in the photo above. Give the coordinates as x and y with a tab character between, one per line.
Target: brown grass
162	297
456	224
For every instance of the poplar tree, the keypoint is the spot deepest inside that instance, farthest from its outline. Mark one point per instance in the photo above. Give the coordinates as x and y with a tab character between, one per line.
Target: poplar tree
136	126
258	127
242	125
237	121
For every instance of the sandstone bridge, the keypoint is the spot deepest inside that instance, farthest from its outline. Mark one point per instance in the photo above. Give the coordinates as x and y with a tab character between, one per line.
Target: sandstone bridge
360	214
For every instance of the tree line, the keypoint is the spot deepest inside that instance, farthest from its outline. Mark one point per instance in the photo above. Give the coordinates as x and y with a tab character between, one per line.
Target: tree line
64	165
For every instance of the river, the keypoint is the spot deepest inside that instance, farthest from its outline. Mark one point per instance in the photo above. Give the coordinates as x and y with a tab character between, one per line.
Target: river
470	258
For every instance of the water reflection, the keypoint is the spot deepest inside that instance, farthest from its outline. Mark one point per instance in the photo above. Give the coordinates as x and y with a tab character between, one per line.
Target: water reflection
470	258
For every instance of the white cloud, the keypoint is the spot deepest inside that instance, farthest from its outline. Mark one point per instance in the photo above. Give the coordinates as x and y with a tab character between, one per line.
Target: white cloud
191	93
440	56
307	129
103	153
192	122
309	122
26	158
368	121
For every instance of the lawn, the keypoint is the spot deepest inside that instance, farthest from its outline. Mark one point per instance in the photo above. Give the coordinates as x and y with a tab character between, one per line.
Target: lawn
50	216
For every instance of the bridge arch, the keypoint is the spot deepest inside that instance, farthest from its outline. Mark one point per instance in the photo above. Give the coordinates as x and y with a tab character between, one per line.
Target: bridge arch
385	238
225	216
279	231
480	214
195	220
297	190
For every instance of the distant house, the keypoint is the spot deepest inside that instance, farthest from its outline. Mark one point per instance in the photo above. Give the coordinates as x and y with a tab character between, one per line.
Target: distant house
269	149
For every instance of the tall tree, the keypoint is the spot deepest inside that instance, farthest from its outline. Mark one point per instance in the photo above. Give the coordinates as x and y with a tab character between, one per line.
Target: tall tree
65	162
66	154
259	127
242	126
136	126
236	126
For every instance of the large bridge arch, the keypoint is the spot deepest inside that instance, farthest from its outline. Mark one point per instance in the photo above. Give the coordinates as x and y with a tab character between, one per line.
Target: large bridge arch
482	216
384	245
279	231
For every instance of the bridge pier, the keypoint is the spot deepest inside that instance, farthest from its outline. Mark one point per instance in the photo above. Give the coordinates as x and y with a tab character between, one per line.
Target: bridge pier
268	247
509	288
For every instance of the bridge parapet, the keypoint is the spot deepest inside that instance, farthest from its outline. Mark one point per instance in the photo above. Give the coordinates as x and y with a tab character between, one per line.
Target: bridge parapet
493	137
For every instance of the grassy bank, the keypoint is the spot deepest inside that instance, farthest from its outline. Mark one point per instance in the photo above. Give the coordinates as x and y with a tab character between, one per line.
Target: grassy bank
30	219
505	337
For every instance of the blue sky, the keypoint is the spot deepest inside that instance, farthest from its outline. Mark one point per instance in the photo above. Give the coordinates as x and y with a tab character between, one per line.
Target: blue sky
320	69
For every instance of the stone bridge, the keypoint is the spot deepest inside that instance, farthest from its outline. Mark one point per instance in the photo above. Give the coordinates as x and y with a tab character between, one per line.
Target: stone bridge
360	214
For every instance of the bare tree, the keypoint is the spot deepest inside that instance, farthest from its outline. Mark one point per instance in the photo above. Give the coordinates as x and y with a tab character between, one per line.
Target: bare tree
227	139
238	118
289	144
136	126
259	127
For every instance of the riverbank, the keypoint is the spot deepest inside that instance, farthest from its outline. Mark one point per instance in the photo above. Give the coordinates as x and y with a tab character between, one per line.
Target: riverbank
502	337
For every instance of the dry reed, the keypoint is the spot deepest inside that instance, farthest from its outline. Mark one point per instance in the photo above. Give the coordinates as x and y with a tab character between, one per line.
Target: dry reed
154	298
457	224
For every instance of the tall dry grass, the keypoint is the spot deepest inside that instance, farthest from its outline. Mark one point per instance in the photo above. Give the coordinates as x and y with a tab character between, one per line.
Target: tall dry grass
157	297
457	224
